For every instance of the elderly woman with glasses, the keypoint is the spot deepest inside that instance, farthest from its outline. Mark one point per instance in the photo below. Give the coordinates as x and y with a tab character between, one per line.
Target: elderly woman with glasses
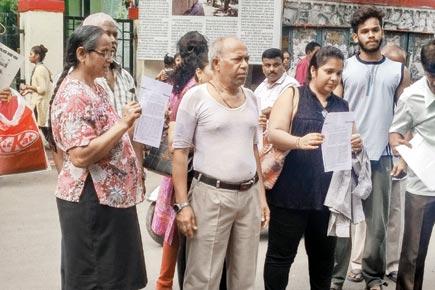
101	180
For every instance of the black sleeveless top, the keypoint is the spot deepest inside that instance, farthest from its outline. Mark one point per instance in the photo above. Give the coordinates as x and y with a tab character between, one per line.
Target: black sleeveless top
303	184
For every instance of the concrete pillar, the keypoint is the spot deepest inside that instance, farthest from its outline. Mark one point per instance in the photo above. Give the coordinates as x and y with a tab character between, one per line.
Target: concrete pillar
42	23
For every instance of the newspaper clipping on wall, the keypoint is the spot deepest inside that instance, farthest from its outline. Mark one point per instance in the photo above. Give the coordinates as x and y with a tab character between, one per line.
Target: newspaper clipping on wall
163	22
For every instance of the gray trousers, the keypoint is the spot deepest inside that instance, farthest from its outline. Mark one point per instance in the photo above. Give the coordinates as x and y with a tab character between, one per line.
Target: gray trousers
395	224
419	222
376	210
229	224
343	250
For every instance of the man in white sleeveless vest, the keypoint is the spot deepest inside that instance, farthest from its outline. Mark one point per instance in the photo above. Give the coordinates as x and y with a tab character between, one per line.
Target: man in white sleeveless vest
371	84
222	212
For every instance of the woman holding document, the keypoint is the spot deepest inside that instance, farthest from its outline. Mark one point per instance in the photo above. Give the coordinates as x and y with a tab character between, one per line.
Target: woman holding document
101	180
296	200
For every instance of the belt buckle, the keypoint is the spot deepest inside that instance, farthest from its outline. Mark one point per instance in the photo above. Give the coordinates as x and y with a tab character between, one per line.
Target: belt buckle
246	185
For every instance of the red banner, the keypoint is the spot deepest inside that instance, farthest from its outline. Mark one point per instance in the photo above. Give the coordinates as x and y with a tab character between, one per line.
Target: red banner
41	5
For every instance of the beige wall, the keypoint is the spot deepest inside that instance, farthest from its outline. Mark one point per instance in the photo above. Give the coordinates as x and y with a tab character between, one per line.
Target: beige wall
44	28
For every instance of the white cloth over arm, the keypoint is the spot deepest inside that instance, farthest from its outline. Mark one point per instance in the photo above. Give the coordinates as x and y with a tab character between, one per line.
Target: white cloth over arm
345	194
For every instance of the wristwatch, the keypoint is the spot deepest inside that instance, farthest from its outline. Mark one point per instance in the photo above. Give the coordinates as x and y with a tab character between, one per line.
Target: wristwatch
179	206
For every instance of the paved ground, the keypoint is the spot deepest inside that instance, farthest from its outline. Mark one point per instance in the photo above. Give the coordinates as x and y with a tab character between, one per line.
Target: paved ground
30	239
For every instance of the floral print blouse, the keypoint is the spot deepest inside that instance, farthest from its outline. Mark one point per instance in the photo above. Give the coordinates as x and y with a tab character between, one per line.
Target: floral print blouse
80	114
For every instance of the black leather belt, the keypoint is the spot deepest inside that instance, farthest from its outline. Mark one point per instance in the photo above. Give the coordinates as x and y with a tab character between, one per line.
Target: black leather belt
245	185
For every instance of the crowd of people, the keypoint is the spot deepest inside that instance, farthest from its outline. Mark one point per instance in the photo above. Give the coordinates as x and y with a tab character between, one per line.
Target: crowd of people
213	206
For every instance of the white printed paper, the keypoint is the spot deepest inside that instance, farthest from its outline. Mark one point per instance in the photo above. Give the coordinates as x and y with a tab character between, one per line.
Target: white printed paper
336	148
153	97
421	159
162	23
10	63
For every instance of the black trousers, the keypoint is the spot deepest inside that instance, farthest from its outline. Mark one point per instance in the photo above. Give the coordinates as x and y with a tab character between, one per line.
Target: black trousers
286	228
419	222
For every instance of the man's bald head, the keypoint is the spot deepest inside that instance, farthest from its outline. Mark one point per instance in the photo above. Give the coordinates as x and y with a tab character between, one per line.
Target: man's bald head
105	22
222	45
229	59
394	52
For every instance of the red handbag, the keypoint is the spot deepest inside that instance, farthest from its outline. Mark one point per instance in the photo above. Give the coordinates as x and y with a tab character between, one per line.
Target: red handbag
271	158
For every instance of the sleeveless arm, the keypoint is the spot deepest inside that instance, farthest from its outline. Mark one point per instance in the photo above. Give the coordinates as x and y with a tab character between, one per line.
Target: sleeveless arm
280	120
405	82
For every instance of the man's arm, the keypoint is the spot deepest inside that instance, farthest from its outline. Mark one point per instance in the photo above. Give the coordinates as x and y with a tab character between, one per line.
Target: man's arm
265	212
400	133
185	218
397	139
406	82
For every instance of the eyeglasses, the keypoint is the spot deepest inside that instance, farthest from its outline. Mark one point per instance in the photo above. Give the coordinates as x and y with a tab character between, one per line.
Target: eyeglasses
107	54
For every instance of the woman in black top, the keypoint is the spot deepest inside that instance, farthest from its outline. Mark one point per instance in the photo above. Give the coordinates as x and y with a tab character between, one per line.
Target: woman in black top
296	200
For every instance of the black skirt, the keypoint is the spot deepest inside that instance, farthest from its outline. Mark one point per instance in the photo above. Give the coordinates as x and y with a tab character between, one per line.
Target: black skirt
101	245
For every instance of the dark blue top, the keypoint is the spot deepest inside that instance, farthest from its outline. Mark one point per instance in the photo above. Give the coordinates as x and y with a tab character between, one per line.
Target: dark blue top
303	184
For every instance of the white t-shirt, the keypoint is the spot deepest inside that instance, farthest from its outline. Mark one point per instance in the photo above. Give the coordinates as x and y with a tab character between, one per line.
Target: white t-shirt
223	138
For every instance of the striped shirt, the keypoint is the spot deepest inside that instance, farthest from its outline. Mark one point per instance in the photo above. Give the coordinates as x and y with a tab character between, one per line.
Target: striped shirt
124	90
